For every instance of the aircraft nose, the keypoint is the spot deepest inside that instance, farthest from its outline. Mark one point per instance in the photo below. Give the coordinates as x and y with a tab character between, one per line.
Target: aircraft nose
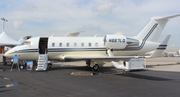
8	55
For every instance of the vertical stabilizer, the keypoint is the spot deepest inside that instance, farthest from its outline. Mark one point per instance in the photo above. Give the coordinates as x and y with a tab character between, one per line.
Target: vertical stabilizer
153	30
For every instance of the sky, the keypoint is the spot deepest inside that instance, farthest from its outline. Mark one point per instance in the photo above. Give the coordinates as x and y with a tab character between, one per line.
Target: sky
93	17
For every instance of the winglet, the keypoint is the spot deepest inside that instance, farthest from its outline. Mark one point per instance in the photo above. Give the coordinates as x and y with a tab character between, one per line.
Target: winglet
73	34
116	65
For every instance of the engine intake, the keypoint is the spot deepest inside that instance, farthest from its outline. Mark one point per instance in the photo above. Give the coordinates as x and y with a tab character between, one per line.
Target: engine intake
132	42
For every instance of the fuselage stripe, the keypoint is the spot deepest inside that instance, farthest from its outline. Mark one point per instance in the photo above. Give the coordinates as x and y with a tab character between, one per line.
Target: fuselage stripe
144	40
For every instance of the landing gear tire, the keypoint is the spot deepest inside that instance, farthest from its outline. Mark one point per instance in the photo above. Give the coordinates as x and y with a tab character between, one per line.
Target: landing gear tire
49	65
96	67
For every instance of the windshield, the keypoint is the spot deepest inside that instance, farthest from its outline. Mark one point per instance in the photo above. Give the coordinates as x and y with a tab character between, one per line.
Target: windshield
27	43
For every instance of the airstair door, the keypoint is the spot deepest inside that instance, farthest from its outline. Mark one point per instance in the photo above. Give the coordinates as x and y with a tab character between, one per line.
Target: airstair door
43	48
43	56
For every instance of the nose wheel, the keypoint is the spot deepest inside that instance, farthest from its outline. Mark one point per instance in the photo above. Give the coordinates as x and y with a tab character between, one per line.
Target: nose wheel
49	65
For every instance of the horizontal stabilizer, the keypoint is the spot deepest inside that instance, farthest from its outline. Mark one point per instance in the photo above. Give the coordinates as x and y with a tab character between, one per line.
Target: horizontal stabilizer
154	28
168	17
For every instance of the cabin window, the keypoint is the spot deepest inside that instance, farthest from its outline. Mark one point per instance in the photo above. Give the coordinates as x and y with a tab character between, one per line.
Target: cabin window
60	44
89	44
27	43
53	44
67	44
96	44
75	44
82	44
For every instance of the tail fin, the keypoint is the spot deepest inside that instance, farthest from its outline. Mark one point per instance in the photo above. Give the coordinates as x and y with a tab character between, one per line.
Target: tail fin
154	28
161	48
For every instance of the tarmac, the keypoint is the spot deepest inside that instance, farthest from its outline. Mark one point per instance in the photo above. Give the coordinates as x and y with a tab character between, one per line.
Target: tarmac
161	78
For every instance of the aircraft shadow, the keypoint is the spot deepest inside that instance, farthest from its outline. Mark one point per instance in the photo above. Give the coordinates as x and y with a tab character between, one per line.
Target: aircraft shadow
113	71
82	68
1	91
151	66
145	77
5	66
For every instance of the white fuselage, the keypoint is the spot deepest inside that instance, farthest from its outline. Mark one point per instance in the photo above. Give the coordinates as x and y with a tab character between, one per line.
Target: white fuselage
60	47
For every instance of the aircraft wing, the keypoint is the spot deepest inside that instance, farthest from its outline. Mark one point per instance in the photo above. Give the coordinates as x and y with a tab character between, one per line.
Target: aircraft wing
73	34
104	58
113	59
158	52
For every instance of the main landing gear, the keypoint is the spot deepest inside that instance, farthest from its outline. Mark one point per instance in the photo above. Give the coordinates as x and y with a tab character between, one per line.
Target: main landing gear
94	66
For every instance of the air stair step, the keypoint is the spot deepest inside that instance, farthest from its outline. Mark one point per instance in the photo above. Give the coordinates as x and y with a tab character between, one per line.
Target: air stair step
42	62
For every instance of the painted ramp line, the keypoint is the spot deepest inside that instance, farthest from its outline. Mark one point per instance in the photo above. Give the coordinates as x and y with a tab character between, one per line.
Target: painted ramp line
82	73
6	78
10	85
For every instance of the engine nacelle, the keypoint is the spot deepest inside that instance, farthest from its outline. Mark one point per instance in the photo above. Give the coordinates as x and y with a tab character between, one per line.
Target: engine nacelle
115	41
132	42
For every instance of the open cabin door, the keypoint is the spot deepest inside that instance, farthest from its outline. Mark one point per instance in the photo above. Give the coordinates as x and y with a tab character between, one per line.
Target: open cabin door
43	48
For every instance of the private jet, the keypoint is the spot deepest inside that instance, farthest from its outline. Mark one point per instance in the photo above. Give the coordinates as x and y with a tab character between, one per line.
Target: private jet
93	50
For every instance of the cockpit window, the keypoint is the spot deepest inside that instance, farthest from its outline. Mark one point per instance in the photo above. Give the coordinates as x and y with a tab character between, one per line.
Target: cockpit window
27	43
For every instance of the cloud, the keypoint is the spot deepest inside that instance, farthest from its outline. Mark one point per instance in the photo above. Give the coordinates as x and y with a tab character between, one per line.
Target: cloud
104	8
91	29
18	24
119	33
100	16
